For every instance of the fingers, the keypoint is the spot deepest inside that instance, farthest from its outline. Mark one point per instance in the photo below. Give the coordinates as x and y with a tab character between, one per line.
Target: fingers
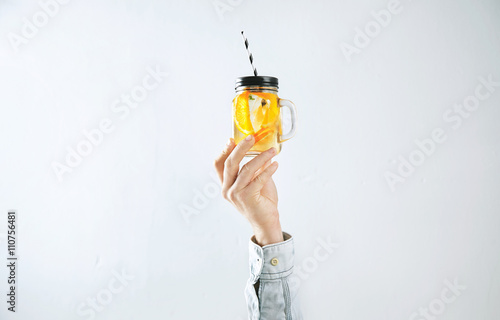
249	170
264	167
232	163
219	162
260	180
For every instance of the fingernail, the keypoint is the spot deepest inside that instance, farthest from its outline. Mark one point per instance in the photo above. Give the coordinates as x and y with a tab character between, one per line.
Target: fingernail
272	150
229	142
248	138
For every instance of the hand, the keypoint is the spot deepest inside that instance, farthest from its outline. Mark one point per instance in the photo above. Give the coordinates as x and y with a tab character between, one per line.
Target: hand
251	190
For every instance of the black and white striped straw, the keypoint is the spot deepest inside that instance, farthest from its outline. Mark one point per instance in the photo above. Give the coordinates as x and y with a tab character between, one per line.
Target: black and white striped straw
249	53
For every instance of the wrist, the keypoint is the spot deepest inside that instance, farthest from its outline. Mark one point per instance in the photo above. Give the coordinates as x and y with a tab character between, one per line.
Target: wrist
265	235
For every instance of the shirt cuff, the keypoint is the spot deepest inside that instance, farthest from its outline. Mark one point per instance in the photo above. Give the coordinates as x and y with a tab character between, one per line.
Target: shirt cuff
273	261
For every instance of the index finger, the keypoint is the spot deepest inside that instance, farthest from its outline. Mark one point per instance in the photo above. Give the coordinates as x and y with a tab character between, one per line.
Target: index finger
232	163
219	162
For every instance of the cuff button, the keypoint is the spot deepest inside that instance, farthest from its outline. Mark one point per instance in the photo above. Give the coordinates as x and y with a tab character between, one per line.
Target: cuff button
274	261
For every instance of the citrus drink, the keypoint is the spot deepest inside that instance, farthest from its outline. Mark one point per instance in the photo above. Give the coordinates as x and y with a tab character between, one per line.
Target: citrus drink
257	113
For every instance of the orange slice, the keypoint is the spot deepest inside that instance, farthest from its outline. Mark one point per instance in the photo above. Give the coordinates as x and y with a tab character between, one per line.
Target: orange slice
262	133
241	114
272	110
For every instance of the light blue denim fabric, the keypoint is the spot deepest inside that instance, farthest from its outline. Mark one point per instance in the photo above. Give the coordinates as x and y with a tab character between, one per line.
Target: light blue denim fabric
276	299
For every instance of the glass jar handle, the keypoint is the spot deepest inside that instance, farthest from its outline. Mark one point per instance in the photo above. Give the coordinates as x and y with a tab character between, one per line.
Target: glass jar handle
293	112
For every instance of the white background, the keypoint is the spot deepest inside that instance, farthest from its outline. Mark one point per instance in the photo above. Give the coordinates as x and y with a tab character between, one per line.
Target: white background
120	209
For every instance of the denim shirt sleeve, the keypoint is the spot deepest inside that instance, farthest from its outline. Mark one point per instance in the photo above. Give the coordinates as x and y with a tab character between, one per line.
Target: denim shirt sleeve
271	267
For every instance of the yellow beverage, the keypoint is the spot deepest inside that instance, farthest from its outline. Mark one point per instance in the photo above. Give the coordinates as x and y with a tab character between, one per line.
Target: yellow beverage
257	114
256	111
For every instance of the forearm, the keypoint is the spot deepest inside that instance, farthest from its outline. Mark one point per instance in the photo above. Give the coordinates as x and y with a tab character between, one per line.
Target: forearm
269	293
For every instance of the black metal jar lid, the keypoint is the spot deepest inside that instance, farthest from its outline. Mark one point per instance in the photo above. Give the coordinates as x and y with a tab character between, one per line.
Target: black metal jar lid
262	81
